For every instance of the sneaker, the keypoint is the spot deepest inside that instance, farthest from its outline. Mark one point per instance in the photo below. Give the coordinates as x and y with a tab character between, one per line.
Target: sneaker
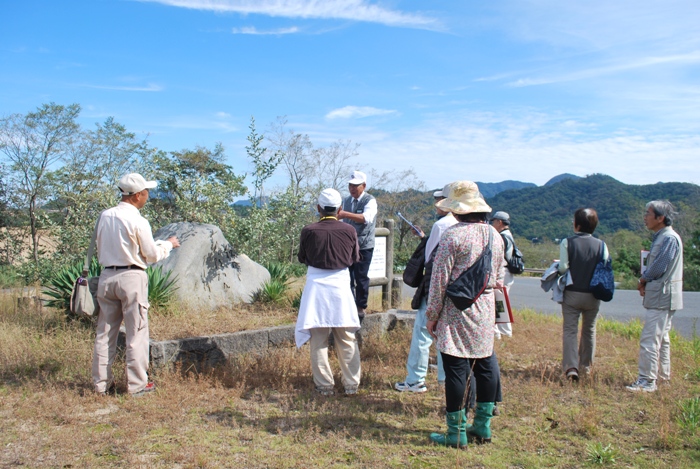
350	391
642	384
415	387
572	375
325	391
150	387
111	390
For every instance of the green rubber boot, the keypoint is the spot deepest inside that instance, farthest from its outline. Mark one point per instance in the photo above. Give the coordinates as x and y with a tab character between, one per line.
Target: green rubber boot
456	435
480	431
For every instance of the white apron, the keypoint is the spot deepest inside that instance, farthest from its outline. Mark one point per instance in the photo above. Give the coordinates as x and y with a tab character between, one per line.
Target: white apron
326	301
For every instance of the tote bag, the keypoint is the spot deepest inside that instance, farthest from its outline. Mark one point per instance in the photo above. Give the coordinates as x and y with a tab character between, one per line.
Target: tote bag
83	297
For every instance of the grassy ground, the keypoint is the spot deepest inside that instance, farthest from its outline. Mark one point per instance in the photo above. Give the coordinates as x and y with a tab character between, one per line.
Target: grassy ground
263	412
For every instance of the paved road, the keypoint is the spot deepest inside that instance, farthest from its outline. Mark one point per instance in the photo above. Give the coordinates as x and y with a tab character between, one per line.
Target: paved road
626	305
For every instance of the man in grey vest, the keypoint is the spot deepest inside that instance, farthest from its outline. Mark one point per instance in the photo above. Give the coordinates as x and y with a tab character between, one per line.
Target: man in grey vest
501	221
661	285
360	211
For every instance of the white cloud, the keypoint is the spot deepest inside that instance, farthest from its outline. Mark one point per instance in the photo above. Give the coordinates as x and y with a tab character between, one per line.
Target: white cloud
252	30
223	115
584	74
355	10
357	112
150	87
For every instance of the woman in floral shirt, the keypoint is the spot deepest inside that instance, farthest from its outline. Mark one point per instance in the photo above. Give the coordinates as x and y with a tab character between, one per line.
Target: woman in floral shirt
465	338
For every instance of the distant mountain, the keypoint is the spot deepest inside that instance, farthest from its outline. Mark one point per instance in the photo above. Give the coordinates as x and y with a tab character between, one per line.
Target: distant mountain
249	203
561	177
490	189
547	211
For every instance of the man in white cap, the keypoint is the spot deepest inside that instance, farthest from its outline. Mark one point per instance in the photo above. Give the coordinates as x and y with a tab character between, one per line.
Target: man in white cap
419	353
329	248
360	211
125	247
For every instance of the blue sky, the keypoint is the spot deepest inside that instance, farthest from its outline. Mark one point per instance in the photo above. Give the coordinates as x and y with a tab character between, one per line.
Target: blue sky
478	90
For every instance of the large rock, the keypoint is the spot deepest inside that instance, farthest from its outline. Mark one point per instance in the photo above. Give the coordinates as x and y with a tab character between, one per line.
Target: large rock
210	272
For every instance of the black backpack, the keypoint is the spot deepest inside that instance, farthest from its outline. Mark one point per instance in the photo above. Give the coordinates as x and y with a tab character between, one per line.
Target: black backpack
515	265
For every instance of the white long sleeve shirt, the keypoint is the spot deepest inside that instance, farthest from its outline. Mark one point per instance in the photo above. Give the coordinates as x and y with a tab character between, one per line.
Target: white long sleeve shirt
124	238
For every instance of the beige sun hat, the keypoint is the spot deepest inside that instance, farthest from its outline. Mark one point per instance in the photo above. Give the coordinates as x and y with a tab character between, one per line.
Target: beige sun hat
463	198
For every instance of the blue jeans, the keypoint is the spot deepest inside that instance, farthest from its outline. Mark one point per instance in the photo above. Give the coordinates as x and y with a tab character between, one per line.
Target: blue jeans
417	363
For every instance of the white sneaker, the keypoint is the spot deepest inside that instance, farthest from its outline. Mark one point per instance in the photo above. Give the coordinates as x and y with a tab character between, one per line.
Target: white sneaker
415	387
642	384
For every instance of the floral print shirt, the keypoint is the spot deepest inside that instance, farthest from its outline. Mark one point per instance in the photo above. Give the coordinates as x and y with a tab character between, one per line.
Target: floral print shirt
468	333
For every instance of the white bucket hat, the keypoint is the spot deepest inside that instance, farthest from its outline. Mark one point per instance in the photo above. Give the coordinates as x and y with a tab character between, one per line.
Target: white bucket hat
463	198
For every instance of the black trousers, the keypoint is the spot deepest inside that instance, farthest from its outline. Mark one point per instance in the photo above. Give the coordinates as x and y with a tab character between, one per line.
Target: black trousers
458	370
471	402
359	281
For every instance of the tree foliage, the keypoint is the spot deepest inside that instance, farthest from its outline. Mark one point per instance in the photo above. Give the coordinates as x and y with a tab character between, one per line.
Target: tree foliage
195	186
31	144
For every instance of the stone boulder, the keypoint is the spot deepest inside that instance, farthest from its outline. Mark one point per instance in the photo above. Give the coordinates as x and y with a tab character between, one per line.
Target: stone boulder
210	273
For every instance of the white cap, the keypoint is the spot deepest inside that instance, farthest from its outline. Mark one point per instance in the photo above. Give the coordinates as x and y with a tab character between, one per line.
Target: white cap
445	192
329	198
133	183
357	177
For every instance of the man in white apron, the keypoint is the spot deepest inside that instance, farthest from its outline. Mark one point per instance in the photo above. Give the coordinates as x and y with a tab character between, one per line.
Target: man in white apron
328	247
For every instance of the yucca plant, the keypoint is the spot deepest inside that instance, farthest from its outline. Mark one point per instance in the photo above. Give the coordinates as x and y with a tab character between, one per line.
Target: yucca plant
278	271
272	291
160	286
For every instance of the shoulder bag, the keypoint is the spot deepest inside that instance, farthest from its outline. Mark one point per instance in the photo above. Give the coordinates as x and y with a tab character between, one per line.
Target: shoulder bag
469	286
603	281
83	298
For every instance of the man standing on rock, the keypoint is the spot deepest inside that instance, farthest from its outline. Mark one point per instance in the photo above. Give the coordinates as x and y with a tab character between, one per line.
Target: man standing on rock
360	211
329	248
125	247
661	285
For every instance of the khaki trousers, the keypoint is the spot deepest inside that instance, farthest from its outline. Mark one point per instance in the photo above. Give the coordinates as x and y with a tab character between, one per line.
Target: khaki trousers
579	354
655	346
122	296
348	356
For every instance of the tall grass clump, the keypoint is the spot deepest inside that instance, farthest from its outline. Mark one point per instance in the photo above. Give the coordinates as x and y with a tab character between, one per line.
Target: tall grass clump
689	415
601	455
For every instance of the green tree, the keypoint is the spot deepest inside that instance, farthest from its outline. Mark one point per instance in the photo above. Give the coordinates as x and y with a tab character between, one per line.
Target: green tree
87	182
195	186
264	163
32	144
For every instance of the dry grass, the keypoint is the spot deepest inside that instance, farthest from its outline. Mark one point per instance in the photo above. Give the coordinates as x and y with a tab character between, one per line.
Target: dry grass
263	412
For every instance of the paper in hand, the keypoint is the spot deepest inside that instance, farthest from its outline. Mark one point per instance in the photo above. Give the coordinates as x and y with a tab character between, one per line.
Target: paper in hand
414	227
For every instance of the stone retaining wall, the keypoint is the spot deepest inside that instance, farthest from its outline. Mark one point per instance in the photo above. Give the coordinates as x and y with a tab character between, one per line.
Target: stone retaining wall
203	352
